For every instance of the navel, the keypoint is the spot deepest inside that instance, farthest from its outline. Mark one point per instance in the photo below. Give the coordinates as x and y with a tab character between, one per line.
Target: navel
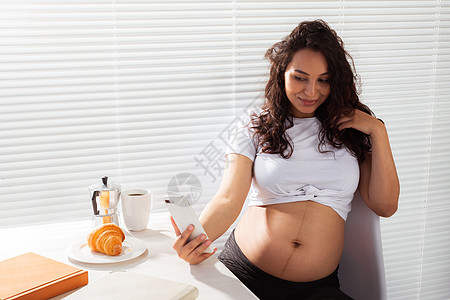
296	244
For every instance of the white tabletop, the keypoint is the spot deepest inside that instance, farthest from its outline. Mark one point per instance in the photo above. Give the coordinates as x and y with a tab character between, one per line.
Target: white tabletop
211	277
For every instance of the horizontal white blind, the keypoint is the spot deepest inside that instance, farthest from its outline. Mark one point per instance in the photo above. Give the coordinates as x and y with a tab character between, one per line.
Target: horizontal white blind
436	256
58	108
175	89
144	91
393	46
133	90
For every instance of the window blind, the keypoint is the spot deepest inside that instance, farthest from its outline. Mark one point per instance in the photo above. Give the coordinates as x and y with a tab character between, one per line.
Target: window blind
132	90
393	41
436	241
144	92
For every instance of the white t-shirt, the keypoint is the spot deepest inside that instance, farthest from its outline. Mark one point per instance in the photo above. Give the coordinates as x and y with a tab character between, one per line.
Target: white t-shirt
329	178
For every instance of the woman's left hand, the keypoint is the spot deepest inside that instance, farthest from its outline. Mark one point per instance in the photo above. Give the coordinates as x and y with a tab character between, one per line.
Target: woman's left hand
360	121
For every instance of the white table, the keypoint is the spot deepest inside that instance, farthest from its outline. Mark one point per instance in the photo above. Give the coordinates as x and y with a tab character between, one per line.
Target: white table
211	277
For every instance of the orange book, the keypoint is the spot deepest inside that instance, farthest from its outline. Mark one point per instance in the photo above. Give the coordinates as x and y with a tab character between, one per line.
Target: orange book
31	276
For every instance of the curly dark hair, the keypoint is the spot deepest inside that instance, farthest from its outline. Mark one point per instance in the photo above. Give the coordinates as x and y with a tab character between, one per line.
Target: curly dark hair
271	124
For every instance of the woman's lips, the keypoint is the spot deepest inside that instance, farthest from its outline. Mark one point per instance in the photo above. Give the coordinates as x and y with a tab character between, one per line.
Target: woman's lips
307	102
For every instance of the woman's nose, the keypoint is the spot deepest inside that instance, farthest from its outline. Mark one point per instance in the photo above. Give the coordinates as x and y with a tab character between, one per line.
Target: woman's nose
311	90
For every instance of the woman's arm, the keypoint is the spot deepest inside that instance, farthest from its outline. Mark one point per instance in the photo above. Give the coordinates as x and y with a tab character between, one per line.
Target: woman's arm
225	207
379	185
221	211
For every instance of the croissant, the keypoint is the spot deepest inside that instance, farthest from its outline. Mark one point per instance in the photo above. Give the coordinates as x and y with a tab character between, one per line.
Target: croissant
106	238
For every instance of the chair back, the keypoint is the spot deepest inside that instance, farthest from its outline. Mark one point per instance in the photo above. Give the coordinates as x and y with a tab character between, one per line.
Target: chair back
361	270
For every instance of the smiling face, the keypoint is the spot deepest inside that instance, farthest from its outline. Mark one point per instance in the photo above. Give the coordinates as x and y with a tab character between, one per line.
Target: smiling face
307	82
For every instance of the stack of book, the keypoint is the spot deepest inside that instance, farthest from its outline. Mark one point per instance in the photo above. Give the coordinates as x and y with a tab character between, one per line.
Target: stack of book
31	276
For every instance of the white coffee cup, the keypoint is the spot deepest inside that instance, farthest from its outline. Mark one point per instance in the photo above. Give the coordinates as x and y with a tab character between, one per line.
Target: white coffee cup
136	207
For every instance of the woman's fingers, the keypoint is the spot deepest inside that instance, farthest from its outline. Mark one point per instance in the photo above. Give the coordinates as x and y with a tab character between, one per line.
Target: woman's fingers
359	120
344	123
188	250
344	120
196	255
182	239
192	251
175	227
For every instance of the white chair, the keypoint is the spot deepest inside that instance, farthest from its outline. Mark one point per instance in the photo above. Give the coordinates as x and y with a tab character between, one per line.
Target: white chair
361	270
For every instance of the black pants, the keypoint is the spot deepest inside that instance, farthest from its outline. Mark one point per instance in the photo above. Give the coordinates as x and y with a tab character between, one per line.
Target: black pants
268	287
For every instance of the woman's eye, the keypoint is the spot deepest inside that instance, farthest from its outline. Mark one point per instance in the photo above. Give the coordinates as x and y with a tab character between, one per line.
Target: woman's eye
300	78
323	80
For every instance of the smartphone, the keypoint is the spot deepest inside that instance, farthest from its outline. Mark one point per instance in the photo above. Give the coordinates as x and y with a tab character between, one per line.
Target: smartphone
183	214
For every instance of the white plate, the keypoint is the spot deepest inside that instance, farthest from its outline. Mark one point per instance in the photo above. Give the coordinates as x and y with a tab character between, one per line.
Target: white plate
131	248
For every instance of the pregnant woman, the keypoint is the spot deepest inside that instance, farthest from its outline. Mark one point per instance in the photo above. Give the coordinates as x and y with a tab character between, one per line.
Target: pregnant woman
306	151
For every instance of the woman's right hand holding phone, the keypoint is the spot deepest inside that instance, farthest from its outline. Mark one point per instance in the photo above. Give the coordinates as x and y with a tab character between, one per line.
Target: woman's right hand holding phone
192	251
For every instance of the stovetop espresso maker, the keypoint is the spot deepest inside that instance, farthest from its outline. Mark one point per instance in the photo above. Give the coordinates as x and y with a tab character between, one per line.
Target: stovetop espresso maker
105	199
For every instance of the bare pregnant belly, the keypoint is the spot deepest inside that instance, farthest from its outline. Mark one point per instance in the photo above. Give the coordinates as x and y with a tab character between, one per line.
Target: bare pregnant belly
299	241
